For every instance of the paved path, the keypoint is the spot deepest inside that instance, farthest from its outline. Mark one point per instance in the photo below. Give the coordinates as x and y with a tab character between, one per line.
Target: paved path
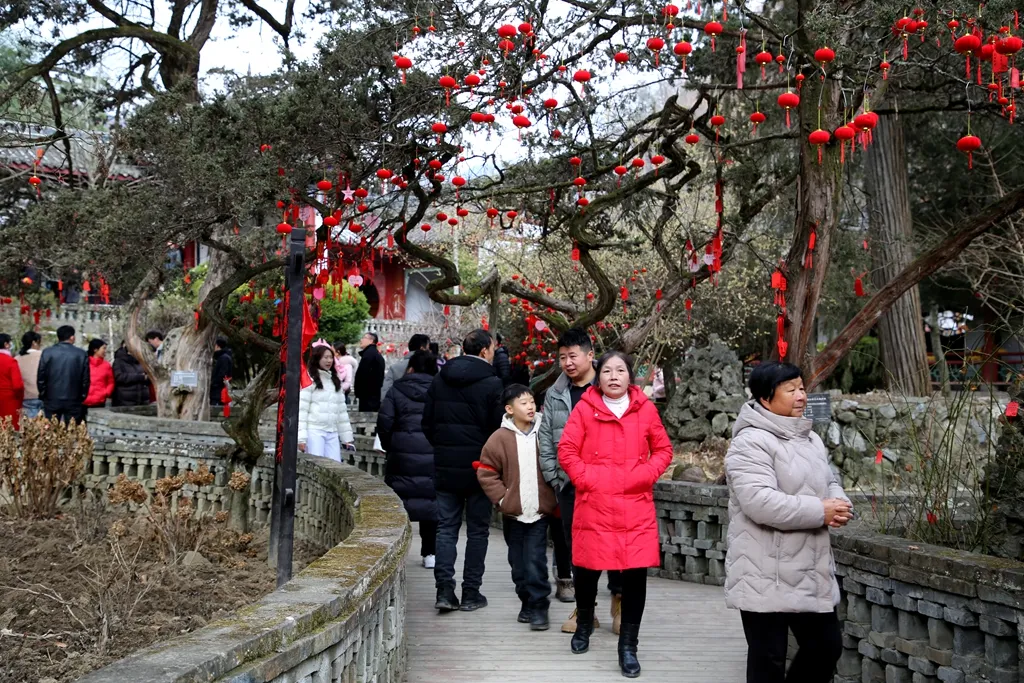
688	635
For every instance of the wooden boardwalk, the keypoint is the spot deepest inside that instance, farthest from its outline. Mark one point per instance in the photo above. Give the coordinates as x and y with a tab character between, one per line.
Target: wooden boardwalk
687	636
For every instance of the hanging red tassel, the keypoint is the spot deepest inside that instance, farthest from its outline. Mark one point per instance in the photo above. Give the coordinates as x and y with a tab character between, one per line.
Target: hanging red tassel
780	332
624	295
689	308
811	242
858	285
657	297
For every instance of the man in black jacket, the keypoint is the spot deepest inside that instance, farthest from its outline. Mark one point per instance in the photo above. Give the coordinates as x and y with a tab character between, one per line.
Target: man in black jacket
223	366
64	378
462	411
131	383
369	375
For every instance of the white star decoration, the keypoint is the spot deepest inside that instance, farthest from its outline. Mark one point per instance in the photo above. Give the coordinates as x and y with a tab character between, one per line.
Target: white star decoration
348	193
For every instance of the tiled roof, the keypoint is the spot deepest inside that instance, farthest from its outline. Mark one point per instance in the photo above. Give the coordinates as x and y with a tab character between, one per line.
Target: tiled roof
18	152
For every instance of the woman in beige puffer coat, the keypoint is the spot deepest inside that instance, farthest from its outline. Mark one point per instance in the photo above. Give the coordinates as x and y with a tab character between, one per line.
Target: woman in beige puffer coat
783	497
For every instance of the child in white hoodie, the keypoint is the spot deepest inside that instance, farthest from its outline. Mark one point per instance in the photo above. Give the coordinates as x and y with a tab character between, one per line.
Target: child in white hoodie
323	416
509	473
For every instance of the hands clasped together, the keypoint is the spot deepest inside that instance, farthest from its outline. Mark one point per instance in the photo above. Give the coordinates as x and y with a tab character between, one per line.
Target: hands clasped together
838	512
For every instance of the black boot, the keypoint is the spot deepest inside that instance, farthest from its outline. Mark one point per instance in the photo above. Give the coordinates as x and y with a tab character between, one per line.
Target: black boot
628	636
446	600
524	615
584	627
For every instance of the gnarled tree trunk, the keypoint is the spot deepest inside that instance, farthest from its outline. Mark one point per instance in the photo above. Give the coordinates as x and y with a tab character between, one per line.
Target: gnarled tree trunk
185	349
900	329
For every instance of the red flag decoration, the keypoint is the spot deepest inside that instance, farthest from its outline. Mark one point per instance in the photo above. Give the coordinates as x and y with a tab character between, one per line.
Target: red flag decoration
309	330
1011	409
878	457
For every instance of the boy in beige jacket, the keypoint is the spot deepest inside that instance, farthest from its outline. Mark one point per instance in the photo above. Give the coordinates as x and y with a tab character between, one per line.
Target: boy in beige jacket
509	473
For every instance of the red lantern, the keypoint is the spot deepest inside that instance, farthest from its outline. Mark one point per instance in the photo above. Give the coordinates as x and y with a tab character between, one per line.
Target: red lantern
284	227
582	77
818	138
757	118
439	129
824	55
520	122
969	144
967	45
461	212
843	134
657	160
507	31
620	171
655	45
324	185
425	227
717	121
692	139
448	83
478	117
763	59
788	100
621	57
682	49
472	80
713	29
403	64
330	221
550	103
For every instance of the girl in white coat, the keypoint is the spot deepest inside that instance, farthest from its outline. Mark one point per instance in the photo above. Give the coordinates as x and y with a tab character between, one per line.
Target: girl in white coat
323	416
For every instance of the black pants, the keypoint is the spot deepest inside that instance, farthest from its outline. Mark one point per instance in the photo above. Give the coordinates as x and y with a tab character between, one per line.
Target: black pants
528	558
428	538
567	504
562	558
449	523
66	413
634	591
818	639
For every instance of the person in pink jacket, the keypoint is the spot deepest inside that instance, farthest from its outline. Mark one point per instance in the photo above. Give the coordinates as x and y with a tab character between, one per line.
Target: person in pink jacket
613	449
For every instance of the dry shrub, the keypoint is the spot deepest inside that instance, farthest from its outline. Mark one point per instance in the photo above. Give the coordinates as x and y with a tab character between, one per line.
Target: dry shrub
170	519
38	464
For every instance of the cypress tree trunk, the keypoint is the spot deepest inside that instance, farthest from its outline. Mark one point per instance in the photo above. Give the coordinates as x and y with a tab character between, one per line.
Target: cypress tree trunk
900	329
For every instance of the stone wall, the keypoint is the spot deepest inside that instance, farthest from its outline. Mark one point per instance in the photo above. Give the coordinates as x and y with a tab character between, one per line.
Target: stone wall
89	321
906	430
341	619
693	522
911	612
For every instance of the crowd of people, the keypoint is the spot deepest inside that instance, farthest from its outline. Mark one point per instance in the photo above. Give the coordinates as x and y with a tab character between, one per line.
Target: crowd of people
578	472
464	436
65	381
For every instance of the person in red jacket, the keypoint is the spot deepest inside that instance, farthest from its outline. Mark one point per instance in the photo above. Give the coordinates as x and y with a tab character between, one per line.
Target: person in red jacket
613	449
12	388
101	385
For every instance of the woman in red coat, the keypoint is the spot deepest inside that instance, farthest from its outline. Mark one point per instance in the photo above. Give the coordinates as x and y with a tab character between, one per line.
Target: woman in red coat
12	388
614	448
101	375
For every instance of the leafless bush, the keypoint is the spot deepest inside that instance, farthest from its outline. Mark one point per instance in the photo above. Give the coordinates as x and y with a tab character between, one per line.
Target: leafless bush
40	462
171	519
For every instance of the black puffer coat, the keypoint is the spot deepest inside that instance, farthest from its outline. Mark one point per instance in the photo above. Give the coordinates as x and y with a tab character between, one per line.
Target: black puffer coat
463	410
131	383
410	464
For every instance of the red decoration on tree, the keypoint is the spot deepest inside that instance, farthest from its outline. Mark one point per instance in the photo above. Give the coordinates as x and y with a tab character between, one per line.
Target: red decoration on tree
969	144
448	83
757	118
713	29
843	134
780	336
818	138
689	307
1011	409
717	121
763	59
324	185
655	45
682	49
812	241
858	284
788	100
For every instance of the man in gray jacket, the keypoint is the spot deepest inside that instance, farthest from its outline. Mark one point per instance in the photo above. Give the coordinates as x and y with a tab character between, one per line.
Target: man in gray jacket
418	342
576	358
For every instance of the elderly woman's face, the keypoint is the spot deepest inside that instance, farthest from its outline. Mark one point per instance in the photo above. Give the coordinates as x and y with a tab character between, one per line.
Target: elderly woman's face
789	400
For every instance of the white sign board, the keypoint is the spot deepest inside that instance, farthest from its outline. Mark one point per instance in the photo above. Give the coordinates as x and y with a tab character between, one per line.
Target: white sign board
186	378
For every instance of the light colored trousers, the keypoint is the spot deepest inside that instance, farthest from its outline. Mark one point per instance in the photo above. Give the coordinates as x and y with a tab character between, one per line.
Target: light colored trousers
324	444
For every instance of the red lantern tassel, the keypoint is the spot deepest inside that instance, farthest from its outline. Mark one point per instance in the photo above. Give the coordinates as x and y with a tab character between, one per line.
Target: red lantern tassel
905	47
970	160
968	57
842	152
819	155
787	117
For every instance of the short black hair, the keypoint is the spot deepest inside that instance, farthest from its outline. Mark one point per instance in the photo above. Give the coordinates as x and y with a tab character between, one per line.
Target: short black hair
497	335
373	336
95	345
514	391
767	376
5	339
221	343
476	341
608	355
418	341
155	334
65	332
340	348
28	339
576	336
435	348
423	362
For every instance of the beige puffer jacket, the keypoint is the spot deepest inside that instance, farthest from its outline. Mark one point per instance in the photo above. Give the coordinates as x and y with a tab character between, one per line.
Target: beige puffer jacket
780	557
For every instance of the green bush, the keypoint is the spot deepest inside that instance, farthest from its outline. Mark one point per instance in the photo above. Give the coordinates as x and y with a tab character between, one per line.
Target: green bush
860	371
342	320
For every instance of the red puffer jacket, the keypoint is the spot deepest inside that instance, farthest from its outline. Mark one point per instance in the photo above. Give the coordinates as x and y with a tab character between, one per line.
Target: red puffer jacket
614	462
101	382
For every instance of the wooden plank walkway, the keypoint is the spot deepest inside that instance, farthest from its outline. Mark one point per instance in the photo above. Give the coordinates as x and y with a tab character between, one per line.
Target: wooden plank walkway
688	635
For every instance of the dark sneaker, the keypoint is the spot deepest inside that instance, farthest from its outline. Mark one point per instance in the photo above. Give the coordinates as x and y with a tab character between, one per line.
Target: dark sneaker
446	600
539	620
524	615
472	600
